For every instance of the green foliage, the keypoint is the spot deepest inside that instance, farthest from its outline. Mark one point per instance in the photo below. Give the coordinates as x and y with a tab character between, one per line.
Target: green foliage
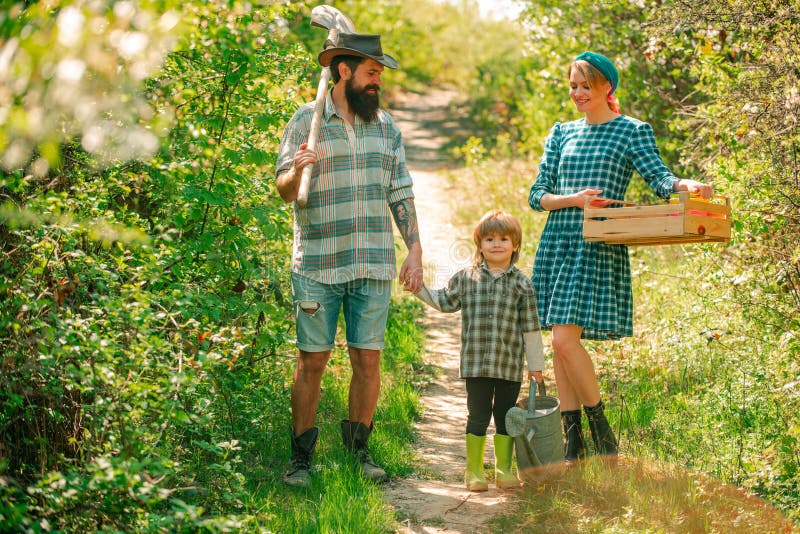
700	384
435	42
144	313
76	69
746	137
402	357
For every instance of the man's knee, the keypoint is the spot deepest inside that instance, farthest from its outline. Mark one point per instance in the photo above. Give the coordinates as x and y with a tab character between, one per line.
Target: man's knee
312	363
366	363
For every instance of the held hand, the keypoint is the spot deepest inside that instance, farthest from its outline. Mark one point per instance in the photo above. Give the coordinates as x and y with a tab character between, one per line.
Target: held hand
694	187
591	194
411	279
409	284
411	271
304	157
536	375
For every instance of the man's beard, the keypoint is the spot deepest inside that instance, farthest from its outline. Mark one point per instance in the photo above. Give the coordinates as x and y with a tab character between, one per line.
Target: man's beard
363	104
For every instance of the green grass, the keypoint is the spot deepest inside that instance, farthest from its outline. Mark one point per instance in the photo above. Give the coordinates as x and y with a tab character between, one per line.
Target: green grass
339	499
640	496
708	382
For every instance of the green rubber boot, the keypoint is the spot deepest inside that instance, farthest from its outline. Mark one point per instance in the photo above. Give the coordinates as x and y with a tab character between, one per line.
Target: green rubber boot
503	450
473	477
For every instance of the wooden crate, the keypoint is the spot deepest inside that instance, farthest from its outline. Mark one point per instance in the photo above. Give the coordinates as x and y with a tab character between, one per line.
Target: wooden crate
687	221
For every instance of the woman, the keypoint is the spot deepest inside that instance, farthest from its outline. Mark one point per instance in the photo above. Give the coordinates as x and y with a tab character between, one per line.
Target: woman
584	288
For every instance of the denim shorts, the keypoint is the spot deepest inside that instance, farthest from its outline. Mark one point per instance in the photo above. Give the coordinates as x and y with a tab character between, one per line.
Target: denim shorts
316	310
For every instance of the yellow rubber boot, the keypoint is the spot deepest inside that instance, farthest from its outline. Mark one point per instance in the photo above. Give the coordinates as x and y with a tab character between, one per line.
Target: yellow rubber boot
473	477
503	450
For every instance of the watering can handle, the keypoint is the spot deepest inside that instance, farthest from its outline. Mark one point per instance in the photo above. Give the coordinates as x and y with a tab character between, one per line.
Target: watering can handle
532	397
534	393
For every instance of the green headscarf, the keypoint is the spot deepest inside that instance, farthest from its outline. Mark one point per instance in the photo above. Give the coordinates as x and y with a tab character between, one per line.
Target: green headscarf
604	65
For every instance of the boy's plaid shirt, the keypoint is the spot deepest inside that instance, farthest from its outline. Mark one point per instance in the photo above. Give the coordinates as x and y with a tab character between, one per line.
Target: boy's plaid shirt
495	311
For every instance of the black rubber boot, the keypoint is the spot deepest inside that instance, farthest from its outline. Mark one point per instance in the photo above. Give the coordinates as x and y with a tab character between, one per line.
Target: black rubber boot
299	472
355	436
602	435
574	446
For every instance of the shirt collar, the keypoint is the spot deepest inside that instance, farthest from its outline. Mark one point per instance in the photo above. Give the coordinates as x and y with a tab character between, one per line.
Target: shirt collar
485	267
328	110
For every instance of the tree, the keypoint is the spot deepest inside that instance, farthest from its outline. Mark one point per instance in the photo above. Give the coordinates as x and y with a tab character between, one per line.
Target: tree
75	70
142	307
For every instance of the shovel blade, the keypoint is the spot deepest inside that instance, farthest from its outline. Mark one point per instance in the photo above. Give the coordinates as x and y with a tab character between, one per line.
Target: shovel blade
330	18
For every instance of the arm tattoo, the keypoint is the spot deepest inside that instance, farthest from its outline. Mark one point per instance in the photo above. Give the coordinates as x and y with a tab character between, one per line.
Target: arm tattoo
405	217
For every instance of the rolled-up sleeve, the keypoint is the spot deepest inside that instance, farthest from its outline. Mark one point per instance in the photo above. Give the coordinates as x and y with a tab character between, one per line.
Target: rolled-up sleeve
548	169
401	182
294	135
646	159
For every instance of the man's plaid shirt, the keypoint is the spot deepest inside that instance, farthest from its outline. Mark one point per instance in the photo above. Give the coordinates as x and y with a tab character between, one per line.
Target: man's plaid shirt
495	311
345	230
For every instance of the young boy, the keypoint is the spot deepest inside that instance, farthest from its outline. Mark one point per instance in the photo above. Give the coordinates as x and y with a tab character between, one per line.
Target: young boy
500	331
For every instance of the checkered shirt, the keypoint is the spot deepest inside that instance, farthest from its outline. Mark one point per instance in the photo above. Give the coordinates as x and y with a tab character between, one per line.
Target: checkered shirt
580	282
344	232
495	312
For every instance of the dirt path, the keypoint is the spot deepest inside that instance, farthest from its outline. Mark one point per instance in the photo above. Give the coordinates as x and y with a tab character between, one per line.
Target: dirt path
437	502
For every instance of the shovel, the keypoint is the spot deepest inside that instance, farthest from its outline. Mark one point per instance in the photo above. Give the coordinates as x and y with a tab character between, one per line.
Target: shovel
537	430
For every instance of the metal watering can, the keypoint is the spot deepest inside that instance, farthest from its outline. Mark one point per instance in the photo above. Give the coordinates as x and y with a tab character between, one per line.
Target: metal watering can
537	430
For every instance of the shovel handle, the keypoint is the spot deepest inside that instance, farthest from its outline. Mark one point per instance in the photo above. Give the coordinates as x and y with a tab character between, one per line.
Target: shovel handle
313	135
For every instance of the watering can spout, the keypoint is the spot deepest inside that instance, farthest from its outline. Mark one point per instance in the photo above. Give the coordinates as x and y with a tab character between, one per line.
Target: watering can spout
537	430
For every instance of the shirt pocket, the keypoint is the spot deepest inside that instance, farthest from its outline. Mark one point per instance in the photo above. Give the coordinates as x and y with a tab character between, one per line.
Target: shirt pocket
388	165
506	309
491	304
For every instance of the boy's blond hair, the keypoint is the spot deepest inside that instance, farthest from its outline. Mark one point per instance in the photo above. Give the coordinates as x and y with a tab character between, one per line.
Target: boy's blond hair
497	222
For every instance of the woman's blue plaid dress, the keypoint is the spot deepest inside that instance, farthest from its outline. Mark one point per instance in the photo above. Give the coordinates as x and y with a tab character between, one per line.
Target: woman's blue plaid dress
581	282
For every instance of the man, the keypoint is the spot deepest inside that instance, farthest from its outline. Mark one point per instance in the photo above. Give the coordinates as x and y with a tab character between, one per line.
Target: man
343	252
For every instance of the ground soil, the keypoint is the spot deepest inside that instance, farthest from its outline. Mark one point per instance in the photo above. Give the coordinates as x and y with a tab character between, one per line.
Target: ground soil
435	500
